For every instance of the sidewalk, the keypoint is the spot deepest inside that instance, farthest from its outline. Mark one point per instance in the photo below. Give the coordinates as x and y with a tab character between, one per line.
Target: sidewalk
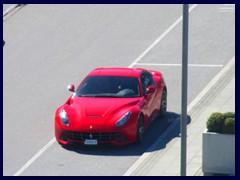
166	161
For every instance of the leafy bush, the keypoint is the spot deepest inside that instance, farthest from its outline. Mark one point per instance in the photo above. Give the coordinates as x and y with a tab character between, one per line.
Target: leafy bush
229	115
229	126
215	122
221	122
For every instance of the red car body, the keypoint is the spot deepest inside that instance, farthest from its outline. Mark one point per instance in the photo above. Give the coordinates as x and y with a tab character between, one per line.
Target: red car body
111	105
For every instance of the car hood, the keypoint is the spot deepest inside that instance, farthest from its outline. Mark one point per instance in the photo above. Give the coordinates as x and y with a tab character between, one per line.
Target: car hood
97	111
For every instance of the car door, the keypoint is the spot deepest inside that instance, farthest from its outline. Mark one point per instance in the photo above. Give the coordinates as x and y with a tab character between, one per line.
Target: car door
146	80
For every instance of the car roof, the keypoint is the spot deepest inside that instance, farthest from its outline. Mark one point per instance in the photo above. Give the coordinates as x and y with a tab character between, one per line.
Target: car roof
130	72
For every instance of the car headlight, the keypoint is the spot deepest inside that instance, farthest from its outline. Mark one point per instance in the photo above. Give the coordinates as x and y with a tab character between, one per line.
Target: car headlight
123	120
64	118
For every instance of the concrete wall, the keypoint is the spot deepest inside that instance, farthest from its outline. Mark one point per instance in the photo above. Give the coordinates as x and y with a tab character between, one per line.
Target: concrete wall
218	153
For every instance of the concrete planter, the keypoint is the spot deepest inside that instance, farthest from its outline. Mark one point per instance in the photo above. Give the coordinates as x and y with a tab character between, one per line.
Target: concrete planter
218	153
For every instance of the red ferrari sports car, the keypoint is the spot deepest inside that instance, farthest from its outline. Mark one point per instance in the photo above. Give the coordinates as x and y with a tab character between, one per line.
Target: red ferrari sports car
111	105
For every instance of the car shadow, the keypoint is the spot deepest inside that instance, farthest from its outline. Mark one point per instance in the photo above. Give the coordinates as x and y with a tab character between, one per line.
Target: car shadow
163	129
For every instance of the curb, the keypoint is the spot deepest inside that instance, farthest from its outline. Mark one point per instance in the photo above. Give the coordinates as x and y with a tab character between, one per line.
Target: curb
148	152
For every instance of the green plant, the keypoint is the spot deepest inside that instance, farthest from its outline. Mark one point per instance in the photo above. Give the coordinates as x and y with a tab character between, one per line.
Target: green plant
221	122
229	115
215	122
229	126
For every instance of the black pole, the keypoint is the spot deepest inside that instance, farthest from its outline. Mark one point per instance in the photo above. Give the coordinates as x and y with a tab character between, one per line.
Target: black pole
184	90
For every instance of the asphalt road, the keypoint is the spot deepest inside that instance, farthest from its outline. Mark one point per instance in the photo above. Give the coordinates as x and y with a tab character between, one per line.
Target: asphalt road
6	6
50	46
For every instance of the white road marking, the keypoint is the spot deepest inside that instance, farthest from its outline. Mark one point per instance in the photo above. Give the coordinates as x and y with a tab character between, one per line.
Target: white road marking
227	8
189	108
11	10
159	38
191	65
41	151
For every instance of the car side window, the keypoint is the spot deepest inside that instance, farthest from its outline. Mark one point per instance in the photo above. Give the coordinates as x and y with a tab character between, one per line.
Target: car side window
146	79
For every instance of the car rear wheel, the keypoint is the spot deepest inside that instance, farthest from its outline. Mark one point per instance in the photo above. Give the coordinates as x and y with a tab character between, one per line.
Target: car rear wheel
163	105
140	130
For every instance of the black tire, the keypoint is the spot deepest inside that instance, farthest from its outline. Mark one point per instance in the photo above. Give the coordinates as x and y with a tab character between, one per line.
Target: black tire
140	130
163	105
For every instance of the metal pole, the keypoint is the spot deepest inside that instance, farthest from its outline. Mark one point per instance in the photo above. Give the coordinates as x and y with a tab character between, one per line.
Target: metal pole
184	90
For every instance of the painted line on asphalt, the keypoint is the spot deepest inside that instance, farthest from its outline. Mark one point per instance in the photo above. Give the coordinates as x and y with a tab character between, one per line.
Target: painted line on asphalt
41	151
172	126
11	10
159	38
190	65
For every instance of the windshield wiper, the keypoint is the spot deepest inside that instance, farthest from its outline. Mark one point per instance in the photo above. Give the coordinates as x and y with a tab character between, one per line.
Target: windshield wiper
101	95
107	95
85	95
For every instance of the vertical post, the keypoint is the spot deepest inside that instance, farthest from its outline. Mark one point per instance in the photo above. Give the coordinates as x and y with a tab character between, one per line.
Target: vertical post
184	90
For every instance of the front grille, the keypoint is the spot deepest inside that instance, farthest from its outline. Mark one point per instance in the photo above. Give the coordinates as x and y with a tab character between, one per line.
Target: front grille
80	136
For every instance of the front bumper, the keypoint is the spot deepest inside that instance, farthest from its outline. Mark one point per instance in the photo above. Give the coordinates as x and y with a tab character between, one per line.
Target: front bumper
121	137
115	138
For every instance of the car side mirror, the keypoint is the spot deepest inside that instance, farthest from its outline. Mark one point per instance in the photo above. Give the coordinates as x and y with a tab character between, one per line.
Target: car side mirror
151	89
71	87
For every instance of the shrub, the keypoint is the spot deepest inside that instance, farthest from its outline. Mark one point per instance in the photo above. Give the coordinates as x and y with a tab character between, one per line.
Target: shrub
221	122
229	126
229	115
215	122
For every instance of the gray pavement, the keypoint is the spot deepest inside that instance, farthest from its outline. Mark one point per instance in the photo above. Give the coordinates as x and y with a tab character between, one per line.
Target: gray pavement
219	96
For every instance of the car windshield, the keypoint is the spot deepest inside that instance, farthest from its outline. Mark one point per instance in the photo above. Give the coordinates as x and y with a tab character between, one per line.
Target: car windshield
109	86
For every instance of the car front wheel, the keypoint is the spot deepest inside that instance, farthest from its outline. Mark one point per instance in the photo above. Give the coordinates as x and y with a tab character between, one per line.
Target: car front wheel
140	130
163	105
